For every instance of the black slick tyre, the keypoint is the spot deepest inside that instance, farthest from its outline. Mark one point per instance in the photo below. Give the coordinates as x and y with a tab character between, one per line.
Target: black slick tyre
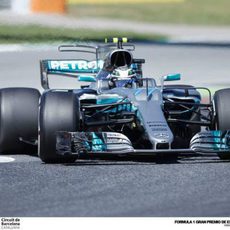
18	119
59	111
221	102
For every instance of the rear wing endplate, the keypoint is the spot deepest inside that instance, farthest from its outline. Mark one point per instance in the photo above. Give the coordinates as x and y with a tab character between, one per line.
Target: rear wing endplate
69	68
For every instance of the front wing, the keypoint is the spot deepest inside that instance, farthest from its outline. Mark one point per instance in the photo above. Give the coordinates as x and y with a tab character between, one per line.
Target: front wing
207	143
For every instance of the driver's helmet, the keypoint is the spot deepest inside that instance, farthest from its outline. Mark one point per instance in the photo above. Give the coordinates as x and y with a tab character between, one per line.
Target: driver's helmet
121	77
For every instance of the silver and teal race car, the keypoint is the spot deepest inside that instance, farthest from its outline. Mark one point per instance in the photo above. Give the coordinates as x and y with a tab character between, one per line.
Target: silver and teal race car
119	112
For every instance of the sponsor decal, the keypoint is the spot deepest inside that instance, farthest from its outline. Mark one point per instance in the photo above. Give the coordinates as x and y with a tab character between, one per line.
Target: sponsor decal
157	126
75	65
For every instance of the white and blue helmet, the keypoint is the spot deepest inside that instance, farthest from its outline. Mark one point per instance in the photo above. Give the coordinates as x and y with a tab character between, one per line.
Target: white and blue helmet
121	77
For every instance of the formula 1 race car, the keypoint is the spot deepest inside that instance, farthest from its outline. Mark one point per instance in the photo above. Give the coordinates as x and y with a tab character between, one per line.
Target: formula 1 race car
119	113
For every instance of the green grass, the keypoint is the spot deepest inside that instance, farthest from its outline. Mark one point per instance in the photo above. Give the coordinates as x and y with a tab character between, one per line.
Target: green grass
198	12
36	34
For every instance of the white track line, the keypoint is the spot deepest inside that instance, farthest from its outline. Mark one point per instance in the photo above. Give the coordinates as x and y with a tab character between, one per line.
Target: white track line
6	159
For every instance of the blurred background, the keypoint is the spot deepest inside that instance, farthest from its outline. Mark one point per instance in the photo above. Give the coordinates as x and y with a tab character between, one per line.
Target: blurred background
145	20
187	36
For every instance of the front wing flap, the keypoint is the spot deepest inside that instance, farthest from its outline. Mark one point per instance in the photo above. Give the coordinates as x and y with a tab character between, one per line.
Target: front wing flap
211	142
112	143
92	142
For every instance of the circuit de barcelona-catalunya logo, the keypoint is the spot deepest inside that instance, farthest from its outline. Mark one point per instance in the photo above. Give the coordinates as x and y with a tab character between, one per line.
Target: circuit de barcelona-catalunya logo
10	223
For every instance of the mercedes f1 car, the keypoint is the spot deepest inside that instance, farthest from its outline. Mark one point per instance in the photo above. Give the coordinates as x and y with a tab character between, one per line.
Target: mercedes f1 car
119	112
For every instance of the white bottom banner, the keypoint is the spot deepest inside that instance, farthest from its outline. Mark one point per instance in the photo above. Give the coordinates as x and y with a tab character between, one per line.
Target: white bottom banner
112	223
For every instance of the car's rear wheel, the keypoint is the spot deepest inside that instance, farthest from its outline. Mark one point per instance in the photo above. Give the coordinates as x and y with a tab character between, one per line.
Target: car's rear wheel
18	119
222	113
59	111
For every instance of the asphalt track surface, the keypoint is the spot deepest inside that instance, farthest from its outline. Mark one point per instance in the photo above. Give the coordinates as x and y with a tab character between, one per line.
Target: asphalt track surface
186	188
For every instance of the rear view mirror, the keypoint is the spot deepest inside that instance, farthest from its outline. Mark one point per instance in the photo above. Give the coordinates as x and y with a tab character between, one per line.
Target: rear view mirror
86	78
172	77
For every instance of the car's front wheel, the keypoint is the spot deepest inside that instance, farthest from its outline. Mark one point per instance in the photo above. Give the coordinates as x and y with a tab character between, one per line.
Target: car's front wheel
221	103
59	111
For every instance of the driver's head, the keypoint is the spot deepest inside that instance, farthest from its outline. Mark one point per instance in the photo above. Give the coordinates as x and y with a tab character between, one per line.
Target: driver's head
123	72
121	77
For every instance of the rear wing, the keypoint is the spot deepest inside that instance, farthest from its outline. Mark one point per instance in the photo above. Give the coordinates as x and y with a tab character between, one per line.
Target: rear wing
78	67
69	68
